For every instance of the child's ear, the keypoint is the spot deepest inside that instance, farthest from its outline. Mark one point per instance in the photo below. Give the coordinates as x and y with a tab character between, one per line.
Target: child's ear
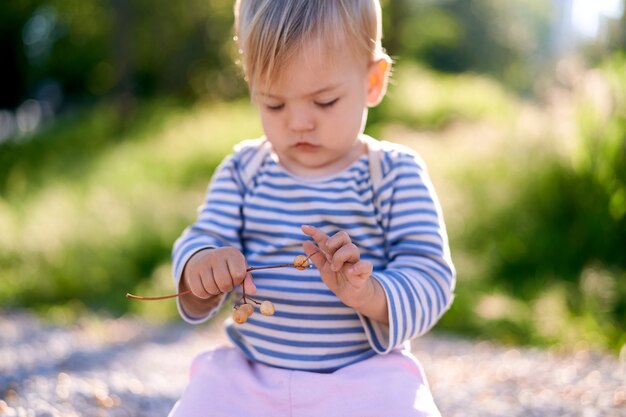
377	77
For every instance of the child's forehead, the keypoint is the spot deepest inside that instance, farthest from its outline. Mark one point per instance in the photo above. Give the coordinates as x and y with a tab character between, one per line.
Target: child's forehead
315	63
311	74
278	91
328	48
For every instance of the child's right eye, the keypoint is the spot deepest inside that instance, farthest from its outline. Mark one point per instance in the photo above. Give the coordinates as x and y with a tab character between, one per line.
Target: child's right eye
275	107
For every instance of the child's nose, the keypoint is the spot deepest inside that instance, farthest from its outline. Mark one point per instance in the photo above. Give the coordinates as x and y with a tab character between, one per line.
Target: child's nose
301	121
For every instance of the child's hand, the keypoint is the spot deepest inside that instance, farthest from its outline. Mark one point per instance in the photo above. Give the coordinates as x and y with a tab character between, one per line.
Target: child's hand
211	272
338	260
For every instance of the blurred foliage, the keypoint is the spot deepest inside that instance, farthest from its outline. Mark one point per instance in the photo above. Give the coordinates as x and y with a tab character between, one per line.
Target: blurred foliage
90	217
563	230
424	99
99	48
510	40
71	52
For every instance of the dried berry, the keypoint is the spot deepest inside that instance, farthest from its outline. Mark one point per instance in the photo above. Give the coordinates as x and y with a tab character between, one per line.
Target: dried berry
301	262
240	316
247	308
267	308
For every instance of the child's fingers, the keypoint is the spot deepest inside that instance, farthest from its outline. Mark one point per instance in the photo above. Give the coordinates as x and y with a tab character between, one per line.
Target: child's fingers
346	254
222	277
194	283
317	234
320	238
315	255
207	281
337	241
236	269
362	269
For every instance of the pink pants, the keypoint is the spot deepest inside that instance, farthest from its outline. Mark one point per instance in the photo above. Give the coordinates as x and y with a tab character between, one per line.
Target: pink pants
224	383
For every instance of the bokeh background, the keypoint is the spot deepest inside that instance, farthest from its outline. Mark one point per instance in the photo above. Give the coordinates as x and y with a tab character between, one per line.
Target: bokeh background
114	114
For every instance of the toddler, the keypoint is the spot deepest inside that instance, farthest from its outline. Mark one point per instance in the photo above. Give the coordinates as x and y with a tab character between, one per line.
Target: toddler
364	211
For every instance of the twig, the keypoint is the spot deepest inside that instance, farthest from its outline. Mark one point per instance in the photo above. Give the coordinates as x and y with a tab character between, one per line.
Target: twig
252	268
163	297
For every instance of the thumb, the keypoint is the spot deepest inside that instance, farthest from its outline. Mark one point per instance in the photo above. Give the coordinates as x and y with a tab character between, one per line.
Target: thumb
315	254
248	282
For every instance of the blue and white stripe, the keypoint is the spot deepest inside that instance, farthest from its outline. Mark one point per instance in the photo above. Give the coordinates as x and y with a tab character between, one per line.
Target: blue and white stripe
403	236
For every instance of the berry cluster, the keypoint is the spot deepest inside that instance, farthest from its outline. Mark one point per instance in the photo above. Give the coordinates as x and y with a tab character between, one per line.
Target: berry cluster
242	311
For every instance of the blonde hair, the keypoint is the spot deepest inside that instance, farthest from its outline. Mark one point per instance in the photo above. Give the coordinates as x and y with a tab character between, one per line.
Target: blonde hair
271	32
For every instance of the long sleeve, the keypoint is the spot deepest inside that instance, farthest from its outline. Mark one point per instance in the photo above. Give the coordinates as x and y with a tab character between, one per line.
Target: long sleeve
419	277
218	224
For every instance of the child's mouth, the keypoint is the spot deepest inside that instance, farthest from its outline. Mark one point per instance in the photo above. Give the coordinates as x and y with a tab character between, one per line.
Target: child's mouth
306	146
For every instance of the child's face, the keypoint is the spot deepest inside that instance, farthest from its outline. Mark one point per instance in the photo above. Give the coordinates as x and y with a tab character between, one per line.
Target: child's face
315	111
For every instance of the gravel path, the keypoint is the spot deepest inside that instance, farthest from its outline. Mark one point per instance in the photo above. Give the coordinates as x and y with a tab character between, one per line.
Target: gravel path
126	367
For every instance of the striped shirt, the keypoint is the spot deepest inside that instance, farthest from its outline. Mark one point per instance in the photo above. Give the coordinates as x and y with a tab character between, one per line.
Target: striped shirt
402	233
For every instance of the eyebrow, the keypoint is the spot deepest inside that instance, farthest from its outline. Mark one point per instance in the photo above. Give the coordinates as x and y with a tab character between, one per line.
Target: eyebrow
311	94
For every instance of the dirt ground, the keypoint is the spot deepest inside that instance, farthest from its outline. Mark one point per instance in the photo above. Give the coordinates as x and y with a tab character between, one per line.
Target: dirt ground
127	367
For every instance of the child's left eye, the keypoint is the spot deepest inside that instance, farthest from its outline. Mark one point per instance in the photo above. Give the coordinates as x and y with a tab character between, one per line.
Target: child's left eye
326	104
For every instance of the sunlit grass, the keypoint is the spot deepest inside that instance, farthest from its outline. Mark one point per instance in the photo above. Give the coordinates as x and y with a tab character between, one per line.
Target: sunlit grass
93	236
532	197
421	98
548	225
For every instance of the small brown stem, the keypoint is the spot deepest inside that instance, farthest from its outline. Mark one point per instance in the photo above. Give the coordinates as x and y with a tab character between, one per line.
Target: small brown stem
245	298
164	297
253	300
257	268
252	268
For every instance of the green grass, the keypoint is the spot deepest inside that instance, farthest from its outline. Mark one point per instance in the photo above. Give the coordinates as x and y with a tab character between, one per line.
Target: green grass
85	224
423	99
549	229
